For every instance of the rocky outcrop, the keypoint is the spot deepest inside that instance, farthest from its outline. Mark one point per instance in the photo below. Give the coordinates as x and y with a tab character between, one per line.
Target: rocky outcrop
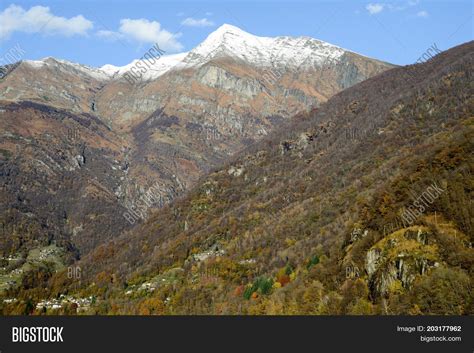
398	259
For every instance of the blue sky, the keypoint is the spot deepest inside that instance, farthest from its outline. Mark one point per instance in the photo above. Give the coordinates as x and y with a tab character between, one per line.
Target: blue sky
116	32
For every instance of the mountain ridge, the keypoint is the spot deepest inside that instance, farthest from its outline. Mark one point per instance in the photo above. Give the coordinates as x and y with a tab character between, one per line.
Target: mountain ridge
273	52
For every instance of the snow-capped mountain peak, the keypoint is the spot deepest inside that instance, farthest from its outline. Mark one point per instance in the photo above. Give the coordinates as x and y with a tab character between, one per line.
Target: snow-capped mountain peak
226	41
229	29
231	41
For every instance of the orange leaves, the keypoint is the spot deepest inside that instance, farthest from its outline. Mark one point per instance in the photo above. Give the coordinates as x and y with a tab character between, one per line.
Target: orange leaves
151	306
239	290
283	280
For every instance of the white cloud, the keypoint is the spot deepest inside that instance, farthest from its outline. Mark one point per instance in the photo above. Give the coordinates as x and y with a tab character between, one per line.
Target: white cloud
422	14
374	8
110	35
396	7
194	22
144	31
39	19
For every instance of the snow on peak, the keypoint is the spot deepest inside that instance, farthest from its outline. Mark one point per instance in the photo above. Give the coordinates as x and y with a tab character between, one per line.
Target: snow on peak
226	41
227	28
154	69
76	68
229	40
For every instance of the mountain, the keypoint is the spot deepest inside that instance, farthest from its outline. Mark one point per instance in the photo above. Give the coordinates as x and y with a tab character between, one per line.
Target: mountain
361	206
261	76
229	42
114	141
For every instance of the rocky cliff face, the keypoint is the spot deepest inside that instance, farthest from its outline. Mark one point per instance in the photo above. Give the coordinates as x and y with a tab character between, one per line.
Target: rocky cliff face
396	260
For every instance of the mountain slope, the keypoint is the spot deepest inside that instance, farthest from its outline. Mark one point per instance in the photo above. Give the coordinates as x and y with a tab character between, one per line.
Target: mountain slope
190	114
62	178
312	220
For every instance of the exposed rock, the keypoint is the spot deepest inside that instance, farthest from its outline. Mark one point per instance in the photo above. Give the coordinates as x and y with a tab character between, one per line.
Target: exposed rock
236	171
400	256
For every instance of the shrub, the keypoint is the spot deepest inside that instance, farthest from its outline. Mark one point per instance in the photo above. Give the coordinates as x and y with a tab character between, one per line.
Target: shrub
262	284
313	261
